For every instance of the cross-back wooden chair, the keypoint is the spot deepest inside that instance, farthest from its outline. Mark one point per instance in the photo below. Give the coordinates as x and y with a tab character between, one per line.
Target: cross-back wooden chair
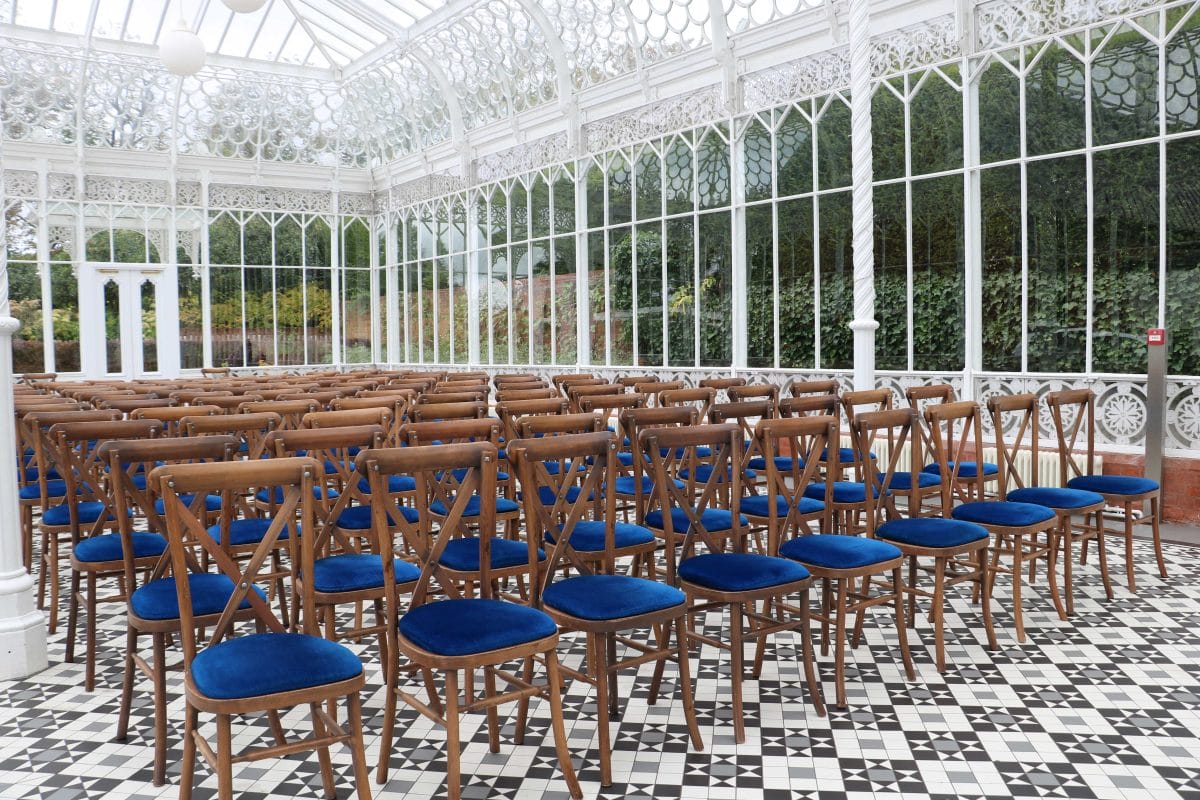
216	372
152	606
228	403
959	549
564	382
745	414
458	634
450	398
577	520
609	407
430	412
190	396
321	398
541	426
344	418
511	412
513	395
721	385
170	417
653	388
38	480
798	388
1017	528
136	403
701	398
290	411
577	392
258	672
1072	414
754	391
252	429
397	404
86	515
630	381
636	489
783	510
707	513
1080	512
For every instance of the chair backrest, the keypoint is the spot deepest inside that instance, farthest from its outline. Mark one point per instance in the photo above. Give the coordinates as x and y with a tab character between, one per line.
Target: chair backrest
610	406
348	418
806	388
882	489
561	382
630	381
701	398
810	405
754	391
426	412
556	500
171	416
530	427
861	402
324	398
506	395
722	383
135	403
655	388
227	403
186	527
956	430
398	403
45	449
633	421
511	412
745	414
675	453
576	393
1072	413
1004	409
417	434
188	396
290	411
251	429
475	463
445	398
76	451
804	439
215	372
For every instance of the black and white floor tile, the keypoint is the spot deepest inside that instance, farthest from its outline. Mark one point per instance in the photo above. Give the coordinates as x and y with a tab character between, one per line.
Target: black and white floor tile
1106	705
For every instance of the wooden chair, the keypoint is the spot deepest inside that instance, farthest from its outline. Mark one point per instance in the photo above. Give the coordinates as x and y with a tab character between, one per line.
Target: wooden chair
398	404
630	381
721	384
1072	413
959	549
1016	528
564	382
636	489
251	429
290	411
170	417
811	388
152	606
132	403
513	411
576	392
510	395
745	414
1080	512
608	407
431	412
726	575
841	561
562	480
458	634
700	398
86	514
226	677
756	391
215	372
782	507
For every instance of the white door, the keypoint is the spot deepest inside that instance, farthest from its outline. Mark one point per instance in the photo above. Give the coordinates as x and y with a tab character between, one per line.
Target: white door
129	320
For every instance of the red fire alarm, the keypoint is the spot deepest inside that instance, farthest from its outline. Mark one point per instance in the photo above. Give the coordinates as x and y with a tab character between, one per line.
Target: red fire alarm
1156	336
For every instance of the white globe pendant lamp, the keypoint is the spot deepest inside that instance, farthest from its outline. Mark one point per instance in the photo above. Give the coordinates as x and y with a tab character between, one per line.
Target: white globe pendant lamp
244	6
181	50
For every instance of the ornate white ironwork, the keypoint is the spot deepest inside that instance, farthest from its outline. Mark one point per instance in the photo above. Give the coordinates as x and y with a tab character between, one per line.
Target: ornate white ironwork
523	158
360	204
268	199
188	193
660	118
20	183
930	42
1000	23
108	189
801	78
424	188
61	186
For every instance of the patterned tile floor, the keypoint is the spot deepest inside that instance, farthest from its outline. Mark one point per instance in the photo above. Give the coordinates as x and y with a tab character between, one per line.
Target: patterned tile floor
1106	705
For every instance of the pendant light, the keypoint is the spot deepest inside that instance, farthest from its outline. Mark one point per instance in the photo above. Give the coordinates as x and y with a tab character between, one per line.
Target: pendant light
244	6
181	50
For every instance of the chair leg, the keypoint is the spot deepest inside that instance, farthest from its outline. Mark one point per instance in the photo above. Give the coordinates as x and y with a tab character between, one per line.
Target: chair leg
861	616
826	608
453	776
187	771
598	667
614	698
986	585
1129	577
939	618
662	635
72	614
27	537
1065	536
160	708
127	679
89	668
1102	549
560	732
389	721
43	570
839	643
323	753
902	634
523	706
493	716
1017	578
357	753
1154	528
810	667
1055	542
737	669
912	597
224	758
683	657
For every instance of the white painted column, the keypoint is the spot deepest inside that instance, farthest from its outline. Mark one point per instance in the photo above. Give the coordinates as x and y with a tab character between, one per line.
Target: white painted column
864	324
22	626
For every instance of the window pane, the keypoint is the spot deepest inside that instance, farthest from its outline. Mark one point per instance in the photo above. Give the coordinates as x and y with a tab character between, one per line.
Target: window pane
1125	247
649	185
891	277
25	301
681	298
260	316
458	309
649	294
1183	75
938	292
520	304
620	295
564	205
1054	91
595	197
540	331
793	154
598	291
837	281
620	190
760	288
937	124
356	316
426	288
757	171
565	315
112	326
539	199
518	204
796	300
224	240
1000	201
1057	265
679	175
228	346
999	112
257	246
716	290
318	244
833	145
149	321
1183	256
1125	88
319	316
712	169
887	131
499	305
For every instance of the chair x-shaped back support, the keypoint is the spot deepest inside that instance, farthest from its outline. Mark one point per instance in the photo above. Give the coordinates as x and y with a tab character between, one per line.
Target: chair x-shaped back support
290	411
633	422
804	439
252	428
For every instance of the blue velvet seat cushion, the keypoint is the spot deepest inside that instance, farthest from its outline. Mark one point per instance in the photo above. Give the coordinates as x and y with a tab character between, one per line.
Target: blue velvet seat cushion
740	572
462	554
209	593
464	626
554	467
212	502
31	474
246	531
843	492
1113	484
549	496
270	663
53	489
358	518
837	551
1002	512
319	492
759	505
704	472
627	484
845	455
931	532
600	597
1052	497
107	547
396	484
588	535
782	463
61	514
460	474
503	506
968	469
353	571
902	481
713	519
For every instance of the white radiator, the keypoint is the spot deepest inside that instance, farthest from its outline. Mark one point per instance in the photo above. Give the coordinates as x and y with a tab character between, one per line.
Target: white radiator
1047	462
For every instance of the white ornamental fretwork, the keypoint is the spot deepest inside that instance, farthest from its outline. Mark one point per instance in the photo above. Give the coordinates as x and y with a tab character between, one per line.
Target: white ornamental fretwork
523	158
928	43
61	186
667	116
20	183
108	189
268	199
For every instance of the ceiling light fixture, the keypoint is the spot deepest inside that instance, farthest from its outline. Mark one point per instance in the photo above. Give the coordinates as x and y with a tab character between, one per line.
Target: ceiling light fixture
244	6
181	50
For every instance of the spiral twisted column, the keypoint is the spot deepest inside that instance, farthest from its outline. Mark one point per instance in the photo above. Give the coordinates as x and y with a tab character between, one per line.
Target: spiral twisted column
864	324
